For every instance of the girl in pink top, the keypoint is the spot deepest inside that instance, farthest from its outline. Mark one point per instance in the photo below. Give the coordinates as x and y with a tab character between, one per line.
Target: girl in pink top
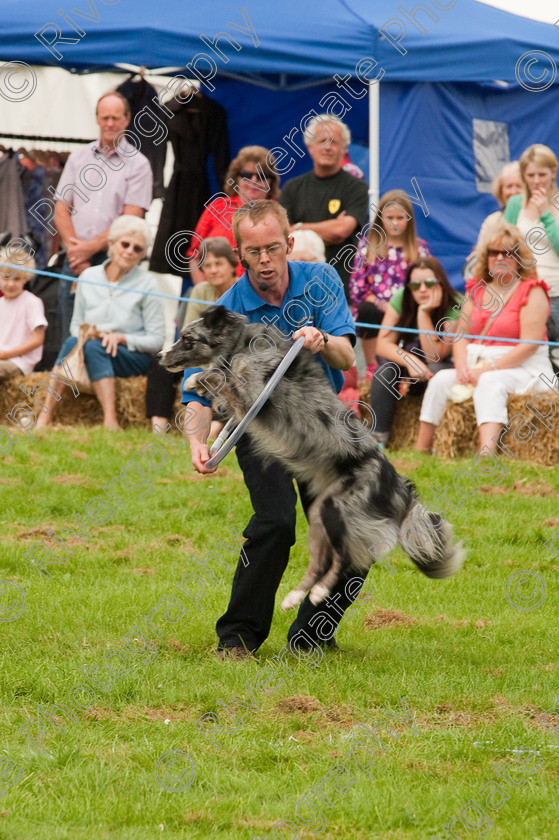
22	318
505	299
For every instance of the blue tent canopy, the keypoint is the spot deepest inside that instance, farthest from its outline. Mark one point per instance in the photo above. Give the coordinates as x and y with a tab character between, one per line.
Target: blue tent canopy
469	42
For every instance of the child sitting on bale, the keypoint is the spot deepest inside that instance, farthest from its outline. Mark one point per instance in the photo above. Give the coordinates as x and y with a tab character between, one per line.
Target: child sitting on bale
22	317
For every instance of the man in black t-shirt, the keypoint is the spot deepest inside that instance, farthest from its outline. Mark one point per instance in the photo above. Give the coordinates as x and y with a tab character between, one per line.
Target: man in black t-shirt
328	200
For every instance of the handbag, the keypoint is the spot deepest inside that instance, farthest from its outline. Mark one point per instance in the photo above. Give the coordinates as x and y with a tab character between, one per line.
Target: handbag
75	361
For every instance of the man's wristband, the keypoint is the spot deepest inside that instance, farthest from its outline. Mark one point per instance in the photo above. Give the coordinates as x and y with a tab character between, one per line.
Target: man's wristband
324	335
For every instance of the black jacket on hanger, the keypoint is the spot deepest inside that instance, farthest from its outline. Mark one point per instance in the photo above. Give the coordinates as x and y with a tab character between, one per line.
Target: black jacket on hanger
197	130
139	94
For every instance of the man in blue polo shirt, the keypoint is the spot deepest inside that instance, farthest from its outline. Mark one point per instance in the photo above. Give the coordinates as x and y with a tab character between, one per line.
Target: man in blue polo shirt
298	299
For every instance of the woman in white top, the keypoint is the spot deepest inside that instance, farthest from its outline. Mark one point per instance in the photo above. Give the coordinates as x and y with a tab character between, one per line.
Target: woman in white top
536	214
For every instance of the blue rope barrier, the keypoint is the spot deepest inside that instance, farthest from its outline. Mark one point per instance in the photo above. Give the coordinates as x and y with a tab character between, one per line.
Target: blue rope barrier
105	285
461	335
357	323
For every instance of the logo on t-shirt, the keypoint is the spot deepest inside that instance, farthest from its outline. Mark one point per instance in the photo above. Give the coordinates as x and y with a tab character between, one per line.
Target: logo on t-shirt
334	205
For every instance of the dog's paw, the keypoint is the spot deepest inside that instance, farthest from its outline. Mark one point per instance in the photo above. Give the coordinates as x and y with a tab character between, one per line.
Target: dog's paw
293	599
318	593
192	382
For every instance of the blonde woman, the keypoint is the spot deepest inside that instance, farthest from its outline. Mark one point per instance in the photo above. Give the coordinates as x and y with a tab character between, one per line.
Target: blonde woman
504	299
537	216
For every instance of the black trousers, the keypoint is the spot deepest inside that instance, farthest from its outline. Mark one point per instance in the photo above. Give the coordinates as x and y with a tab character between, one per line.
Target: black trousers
383	399
161	390
269	537
369	313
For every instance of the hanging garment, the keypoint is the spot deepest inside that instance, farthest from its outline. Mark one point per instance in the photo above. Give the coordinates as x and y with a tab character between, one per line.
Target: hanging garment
197	130
12	201
139	95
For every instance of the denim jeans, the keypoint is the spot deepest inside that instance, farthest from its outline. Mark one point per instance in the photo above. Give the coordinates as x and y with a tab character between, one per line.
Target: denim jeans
101	365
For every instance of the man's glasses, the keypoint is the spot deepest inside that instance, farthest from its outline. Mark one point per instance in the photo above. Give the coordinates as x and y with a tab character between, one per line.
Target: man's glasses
126	245
246	173
415	285
271	250
497	252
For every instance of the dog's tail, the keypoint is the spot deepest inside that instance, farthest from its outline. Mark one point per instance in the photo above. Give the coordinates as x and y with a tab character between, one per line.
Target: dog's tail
428	540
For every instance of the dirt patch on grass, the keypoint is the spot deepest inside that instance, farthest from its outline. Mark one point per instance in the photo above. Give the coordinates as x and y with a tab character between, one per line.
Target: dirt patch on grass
36	532
77	453
404	466
10	480
65	478
550	523
306	704
141	571
388	618
178	646
532	488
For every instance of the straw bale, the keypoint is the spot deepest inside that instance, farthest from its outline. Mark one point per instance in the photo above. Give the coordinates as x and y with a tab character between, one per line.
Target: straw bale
84	409
457	435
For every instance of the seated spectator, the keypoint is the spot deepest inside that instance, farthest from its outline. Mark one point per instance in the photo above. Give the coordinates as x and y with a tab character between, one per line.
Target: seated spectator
219	267
425	300
536	214
131	322
504	299
242	175
507	183
308	246
22	318
382	260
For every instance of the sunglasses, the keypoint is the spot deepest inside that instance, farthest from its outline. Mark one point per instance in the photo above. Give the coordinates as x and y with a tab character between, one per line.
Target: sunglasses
497	252
126	245
245	173
415	285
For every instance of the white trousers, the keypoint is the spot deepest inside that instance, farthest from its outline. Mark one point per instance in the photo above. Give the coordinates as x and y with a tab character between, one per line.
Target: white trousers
490	395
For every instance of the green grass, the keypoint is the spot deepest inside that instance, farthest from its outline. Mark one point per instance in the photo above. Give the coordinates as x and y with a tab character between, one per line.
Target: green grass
475	671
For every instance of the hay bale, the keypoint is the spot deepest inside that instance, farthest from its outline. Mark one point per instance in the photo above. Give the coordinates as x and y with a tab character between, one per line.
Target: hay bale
85	408
458	436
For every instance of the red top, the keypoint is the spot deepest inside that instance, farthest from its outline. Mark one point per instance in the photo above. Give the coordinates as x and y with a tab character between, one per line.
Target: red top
506	322
217	223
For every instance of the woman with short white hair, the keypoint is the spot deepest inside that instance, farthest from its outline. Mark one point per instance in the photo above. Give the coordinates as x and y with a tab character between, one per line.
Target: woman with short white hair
308	246
117	298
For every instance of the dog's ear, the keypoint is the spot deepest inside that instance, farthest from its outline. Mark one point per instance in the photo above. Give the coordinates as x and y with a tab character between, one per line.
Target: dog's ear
214	317
217	317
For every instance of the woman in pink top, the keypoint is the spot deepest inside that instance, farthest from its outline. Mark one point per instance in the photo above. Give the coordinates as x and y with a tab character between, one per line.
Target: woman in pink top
505	299
22	319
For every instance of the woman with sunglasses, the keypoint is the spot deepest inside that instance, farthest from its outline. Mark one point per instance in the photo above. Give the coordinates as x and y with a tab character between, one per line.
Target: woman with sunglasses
425	299
251	175
121	306
504	299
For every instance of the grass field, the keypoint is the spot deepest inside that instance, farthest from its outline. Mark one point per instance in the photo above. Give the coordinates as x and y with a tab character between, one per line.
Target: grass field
474	671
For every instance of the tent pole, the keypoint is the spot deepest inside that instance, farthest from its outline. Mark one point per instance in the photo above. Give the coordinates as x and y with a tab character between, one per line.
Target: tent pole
374	149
